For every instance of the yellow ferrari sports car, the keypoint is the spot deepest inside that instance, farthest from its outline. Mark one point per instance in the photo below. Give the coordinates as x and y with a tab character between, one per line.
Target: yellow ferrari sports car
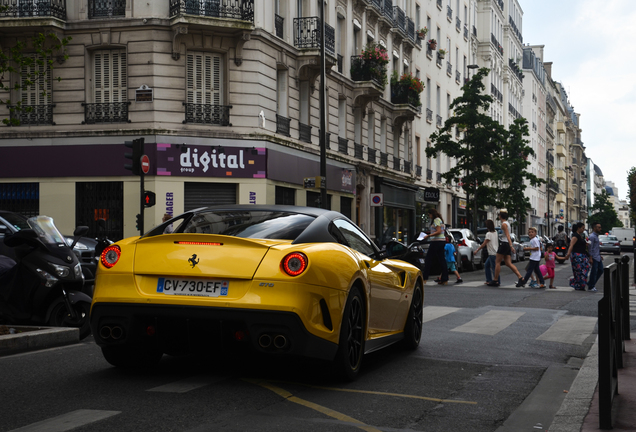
276	279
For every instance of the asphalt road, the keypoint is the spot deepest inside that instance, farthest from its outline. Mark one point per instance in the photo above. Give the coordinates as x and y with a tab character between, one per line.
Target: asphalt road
483	353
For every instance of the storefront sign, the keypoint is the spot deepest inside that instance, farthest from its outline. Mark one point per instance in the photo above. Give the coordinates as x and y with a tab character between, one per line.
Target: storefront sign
462	203
431	194
211	161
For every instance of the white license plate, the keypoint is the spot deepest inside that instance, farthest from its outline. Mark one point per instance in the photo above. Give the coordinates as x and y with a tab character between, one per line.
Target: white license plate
193	287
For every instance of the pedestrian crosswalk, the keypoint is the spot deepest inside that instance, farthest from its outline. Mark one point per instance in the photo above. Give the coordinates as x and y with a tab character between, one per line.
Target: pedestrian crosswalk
568	329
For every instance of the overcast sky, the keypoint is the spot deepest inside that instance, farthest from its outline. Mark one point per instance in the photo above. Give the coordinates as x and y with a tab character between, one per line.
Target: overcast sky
592	46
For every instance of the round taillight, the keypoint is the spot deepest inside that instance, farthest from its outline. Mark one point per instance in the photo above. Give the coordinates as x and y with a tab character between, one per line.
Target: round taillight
110	256
295	263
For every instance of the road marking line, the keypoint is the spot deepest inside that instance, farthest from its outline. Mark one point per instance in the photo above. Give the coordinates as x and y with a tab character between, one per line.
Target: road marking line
327	411
434	312
490	323
185	385
383	393
68	421
570	330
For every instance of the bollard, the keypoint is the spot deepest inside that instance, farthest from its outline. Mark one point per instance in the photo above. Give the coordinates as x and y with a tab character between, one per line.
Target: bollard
626	331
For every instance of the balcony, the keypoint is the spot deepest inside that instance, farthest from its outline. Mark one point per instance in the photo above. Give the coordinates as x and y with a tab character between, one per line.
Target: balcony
516	70
439	178
33	9
397	163
307	38
560	198
358	151
384	160
429	115
407	101
343	145
32	115
241	10
278	25
209	114
458	25
407	167
458	77
371	155
439	121
282	125
549	130
418	171
98	9
561	127
516	114
304	132
439	60
113	112
496	44
554	186
449	69
429	174
364	70
560	150
449	14
560	174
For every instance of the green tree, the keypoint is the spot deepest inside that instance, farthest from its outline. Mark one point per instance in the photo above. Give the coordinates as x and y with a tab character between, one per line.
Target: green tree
29	60
512	171
479	147
631	182
605	213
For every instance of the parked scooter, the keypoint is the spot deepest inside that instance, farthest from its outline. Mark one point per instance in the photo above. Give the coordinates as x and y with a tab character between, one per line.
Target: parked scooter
561	250
44	285
412	254
89	269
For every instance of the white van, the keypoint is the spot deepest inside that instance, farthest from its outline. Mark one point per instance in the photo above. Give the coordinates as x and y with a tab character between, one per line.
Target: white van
625	236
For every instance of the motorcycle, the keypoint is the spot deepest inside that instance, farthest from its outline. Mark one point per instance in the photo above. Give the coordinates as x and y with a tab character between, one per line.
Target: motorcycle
44	285
561	250
89	267
412	254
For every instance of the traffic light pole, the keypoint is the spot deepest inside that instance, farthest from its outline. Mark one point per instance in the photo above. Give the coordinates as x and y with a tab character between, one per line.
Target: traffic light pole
141	202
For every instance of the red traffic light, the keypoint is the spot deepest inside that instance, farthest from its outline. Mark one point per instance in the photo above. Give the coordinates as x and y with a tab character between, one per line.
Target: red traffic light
149	199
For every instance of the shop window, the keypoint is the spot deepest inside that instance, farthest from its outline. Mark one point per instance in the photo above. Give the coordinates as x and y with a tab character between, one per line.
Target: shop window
23	198
285	196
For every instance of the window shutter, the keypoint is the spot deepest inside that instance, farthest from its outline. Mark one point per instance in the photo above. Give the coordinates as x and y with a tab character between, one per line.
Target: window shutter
110	76
39	91
203	79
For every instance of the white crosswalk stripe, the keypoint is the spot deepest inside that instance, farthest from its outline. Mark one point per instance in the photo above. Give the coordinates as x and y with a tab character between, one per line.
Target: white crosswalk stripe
68	421
570	329
490	323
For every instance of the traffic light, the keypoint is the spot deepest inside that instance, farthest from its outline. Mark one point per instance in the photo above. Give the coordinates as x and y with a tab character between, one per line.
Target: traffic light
149	199
138	222
137	146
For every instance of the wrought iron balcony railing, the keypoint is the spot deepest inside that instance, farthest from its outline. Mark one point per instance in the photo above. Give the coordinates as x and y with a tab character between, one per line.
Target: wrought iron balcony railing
32	115
112	112
357	151
407	167
439	121
106	8
397	165
371	155
307	34
402	94
282	125
242	10
207	114
343	145
429	115
304	132
384	159
33	8
418	171
368	70
278	25
439	177
340	60
429	174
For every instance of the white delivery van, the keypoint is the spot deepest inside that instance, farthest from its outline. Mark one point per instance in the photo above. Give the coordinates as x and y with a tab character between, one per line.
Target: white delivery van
625	236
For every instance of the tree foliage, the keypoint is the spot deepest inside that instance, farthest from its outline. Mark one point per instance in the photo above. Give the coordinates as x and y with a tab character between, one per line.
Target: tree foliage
631	182
479	147
604	212
513	173
28	60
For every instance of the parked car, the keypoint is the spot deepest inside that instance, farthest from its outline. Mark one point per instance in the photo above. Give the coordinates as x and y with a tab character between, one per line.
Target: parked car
280	280
10	223
519	254
468	245
524	240
608	243
515	250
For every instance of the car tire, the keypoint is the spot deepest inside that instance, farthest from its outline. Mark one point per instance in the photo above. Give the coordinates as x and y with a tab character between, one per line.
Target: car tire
60	317
131	358
414	320
352	337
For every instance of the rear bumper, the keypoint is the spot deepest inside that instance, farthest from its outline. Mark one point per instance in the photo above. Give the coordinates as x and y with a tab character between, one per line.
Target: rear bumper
178	328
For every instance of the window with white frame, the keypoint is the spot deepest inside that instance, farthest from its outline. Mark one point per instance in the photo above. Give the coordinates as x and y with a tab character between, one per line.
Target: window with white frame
204	78
34	93
110	76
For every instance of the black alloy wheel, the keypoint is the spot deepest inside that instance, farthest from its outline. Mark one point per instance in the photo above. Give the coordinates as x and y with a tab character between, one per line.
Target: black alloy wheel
413	326
61	317
352	336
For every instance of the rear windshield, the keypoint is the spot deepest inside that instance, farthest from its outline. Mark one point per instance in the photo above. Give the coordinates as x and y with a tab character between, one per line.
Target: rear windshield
608	238
17	221
524	238
249	224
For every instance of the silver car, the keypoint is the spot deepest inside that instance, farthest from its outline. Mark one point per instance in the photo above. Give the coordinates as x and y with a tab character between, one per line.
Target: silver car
608	243
468	245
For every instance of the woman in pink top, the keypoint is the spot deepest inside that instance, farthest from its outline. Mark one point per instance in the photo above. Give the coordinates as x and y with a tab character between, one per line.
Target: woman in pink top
550	260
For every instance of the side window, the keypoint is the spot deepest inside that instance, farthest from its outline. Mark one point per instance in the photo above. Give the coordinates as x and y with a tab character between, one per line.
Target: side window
354	237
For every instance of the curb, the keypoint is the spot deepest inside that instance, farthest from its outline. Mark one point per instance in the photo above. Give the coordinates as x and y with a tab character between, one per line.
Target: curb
577	402
36	338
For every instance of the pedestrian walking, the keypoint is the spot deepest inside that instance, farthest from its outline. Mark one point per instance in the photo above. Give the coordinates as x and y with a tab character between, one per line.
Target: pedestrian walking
595	256
449	255
535	259
550	264
168	229
491	243
579	257
435	251
503	251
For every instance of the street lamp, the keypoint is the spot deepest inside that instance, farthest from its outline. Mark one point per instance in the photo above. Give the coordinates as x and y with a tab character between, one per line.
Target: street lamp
475	217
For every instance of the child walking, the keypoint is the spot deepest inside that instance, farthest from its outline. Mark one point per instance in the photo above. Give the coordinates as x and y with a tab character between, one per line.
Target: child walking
449	254
535	259
550	261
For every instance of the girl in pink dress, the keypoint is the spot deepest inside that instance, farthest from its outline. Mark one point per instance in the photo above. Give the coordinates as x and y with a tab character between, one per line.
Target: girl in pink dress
550	259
